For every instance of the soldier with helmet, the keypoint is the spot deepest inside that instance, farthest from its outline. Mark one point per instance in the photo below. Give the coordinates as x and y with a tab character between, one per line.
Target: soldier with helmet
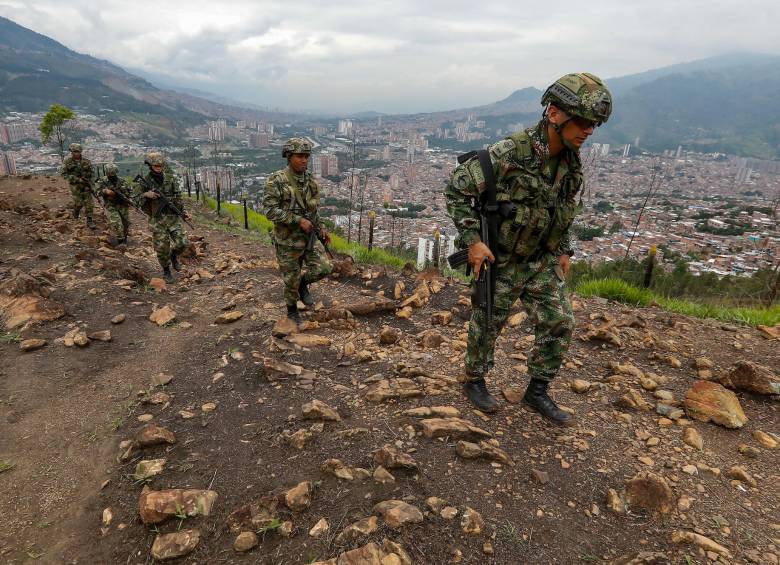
168	236
116	193
538	178
78	172
291	202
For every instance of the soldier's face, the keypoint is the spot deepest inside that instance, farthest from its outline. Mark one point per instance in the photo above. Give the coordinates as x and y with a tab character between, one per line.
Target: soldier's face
76	155
299	162
157	169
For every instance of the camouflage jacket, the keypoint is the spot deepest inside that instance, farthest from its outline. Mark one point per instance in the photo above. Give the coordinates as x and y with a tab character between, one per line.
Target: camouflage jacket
285	209
168	188
119	185
538	192
77	173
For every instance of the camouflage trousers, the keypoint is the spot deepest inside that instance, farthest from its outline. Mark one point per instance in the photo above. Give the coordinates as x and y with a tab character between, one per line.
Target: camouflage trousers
291	260
542	290
118	218
168	237
82	198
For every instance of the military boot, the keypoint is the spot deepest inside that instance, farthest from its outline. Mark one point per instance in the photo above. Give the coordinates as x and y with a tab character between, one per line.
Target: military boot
175	261
303	292
537	398
478	393
113	241
90	223
167	276
292	313
75	213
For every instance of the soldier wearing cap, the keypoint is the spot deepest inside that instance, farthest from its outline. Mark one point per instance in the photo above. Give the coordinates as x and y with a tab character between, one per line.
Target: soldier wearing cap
168	236
78	172
291	202
538	177
113	188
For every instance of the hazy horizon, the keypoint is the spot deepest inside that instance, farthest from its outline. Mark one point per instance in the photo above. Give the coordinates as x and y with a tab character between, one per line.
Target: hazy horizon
397	57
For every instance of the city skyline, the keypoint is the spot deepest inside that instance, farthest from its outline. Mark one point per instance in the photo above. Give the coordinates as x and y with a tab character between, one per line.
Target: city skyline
355	57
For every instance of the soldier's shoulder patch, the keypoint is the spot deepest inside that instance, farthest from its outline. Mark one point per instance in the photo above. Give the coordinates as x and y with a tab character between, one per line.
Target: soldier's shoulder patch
502	149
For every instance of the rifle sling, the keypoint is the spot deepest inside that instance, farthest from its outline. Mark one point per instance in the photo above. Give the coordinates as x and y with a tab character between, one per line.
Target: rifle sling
296	191
489	207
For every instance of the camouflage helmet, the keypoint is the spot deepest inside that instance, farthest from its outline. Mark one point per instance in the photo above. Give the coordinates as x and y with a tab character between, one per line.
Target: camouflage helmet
111	170
155	158
581	94
296	145
75	147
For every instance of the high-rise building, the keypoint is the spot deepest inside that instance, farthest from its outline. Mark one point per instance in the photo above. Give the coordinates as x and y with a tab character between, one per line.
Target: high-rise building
386	153
7	164
345	127
217	130
679	151
605	149
264	127
626	149
209	177
258	140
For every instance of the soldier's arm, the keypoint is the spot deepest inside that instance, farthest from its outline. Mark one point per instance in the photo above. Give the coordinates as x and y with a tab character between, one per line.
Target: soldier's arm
463	191
315	200
274	206
86	171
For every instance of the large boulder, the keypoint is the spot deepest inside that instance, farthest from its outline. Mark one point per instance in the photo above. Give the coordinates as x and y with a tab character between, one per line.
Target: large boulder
23	299
708	401
751	377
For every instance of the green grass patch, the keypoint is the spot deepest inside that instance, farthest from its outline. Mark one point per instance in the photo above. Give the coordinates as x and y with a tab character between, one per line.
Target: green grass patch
5	466
259	223
10	337
621	291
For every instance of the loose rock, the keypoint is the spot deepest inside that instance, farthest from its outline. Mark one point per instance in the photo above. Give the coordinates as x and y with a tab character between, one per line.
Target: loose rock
708	401
177	544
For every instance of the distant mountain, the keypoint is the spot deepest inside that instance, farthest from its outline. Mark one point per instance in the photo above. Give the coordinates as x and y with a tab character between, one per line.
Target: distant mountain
36	71
728	104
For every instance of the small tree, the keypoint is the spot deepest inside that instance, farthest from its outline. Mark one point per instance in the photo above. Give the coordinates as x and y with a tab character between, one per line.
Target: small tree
53	124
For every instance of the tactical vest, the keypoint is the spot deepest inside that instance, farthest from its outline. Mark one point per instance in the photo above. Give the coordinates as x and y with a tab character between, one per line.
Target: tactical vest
535	213
154	207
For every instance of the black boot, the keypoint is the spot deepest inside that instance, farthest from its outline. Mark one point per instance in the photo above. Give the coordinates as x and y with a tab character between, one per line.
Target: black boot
303	292
537	398
167	276
480	397
175	261
113	241
75	213
292	313
90	223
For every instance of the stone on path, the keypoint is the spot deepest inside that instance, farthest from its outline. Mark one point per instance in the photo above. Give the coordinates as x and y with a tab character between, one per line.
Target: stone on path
118	319
383	476
163	316
229	317
483	450
389	335
103	335
693	438
32	344
752	377
274	366
649	491
684	536
284	327
152	434
740	474
177	544
158	284
580	386
148	468
320	528
765	439
390	458
245	541
452	427
359	529
708	401
298	498
397	513
318	410
155	506
471	522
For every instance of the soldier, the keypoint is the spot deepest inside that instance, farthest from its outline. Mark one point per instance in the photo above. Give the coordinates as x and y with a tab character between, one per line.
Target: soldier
116	194
538	175
78	172
168	235
291	200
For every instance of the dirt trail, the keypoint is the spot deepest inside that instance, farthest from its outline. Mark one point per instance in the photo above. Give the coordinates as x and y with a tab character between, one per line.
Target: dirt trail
64	410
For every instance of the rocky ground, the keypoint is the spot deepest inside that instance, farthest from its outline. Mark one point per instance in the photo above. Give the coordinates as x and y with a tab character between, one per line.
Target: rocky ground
142	421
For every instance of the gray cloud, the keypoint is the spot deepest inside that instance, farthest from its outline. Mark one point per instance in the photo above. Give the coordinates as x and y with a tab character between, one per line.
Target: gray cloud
395	56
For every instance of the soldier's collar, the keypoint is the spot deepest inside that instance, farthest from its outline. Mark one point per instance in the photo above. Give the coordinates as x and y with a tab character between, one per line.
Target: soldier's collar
298	177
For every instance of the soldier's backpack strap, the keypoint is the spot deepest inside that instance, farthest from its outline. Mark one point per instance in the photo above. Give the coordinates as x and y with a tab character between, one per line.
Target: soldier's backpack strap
296	191
523	148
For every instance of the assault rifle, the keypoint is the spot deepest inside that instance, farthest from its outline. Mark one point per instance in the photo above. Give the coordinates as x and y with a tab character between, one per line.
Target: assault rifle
166	203
489	212
315	234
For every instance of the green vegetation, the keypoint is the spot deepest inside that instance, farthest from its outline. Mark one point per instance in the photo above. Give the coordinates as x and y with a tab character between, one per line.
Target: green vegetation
587	233
5	466
54	124
10	337
621	291
603	206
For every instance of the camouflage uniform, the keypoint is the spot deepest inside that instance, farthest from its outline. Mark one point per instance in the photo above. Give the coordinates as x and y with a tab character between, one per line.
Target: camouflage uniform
117	210
168	234
544	191
287	196
79	174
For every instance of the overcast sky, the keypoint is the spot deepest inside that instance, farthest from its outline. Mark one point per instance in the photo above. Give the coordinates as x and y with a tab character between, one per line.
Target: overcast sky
399	55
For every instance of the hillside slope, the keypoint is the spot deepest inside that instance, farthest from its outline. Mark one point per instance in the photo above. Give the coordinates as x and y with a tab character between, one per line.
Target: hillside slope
235	407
